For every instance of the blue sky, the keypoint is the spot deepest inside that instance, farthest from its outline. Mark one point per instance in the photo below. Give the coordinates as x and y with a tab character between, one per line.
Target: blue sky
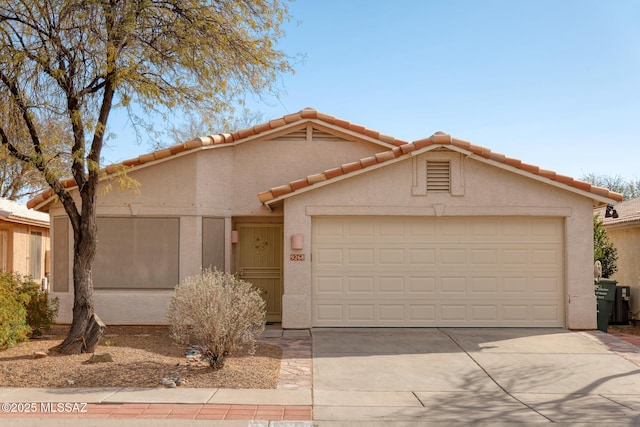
553	83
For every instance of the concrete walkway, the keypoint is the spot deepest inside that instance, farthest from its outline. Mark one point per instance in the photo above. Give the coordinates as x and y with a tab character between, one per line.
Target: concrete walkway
385	377
474	376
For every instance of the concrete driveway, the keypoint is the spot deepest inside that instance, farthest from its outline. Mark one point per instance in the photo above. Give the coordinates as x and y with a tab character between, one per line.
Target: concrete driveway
473	375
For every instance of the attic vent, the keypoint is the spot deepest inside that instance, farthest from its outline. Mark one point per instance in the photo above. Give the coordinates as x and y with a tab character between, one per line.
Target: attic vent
439	176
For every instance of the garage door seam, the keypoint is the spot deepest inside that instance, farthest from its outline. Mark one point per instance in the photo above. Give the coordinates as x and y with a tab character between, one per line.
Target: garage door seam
491	378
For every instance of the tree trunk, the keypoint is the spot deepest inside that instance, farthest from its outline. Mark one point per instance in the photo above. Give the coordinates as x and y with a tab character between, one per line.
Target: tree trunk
86	328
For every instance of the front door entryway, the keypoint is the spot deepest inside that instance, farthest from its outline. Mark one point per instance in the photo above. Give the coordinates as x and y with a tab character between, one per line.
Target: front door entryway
259	262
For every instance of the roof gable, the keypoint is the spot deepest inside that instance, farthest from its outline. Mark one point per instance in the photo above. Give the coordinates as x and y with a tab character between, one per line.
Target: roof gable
436	141
310	122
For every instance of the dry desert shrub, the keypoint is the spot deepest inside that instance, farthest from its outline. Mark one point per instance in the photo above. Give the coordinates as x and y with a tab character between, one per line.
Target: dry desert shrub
216	313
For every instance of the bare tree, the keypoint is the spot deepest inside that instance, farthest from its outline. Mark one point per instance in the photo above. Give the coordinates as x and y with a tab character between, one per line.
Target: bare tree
76	60
630	189
215	124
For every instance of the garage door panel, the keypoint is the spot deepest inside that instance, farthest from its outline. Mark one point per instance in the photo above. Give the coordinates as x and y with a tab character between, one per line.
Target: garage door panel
390	271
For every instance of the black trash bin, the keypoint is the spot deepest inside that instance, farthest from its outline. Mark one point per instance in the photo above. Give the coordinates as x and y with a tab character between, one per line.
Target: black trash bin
605	295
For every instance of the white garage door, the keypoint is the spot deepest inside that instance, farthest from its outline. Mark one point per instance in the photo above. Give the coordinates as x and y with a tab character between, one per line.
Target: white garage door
415	271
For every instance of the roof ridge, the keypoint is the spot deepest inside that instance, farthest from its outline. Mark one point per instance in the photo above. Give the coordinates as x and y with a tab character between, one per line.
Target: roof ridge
307	113
438	138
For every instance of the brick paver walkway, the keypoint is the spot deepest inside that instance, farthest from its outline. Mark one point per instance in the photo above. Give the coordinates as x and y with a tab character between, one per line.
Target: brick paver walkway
176	411
625	345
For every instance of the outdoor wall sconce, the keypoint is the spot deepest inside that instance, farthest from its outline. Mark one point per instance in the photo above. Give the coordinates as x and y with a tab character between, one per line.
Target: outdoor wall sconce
297	242
610	212
234	236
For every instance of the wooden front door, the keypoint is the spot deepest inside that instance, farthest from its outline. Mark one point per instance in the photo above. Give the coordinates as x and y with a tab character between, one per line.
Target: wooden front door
259	262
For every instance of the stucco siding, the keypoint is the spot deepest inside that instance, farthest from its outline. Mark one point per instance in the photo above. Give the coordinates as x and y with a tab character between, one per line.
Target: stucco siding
627	242
221	182
488	191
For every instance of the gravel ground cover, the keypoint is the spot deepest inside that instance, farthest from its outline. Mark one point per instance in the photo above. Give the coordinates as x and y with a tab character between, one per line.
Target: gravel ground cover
142	357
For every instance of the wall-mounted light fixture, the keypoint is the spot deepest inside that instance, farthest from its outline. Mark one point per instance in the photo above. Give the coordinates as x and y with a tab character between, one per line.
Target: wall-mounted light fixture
297	242
610	212
234	236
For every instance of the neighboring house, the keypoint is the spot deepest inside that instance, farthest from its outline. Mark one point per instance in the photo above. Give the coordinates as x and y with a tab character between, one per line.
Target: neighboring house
340	225
24	240
624	232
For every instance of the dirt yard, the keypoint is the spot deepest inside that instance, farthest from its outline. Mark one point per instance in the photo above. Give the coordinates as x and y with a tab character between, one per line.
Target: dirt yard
142	357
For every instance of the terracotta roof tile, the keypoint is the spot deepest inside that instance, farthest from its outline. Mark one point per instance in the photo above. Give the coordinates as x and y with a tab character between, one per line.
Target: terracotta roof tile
263	127
342	123
146	158
351	167
265	196
368	161
408	148
384	156
332	173
315	178
326	118
421	143
229	138
401	148
372	133
567	180
512	162
309	113
443	139
299	183
290	118
547	174
279	191
581	185
460	143
178	148
132	162
244	133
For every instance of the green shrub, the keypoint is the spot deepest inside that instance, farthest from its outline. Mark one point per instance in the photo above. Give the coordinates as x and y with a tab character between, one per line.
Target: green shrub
24	309
41	311
217	313
603	249
13	312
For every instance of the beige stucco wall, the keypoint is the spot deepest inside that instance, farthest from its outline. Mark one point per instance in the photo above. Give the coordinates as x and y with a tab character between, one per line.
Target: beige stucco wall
485	190
626	239
214	182
19	247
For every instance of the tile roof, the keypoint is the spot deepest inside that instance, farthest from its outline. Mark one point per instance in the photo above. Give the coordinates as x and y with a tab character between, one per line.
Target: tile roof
15	212
435	140
230	139
628	212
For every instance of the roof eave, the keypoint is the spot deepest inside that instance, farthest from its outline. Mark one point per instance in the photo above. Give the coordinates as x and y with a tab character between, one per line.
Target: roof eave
599	199
276	201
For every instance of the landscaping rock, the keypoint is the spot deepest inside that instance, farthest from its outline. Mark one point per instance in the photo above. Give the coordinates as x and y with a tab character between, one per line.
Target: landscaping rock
39	355
100	358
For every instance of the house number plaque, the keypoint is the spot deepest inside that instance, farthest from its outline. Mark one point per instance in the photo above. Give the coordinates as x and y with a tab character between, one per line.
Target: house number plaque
296	257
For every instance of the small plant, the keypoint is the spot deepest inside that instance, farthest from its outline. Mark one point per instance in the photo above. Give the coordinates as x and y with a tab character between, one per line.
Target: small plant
216	313
41	311
13	312
603	249
22	302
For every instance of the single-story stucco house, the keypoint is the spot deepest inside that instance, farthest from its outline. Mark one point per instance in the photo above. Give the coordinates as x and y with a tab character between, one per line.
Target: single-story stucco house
340	225
624	233
24	240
